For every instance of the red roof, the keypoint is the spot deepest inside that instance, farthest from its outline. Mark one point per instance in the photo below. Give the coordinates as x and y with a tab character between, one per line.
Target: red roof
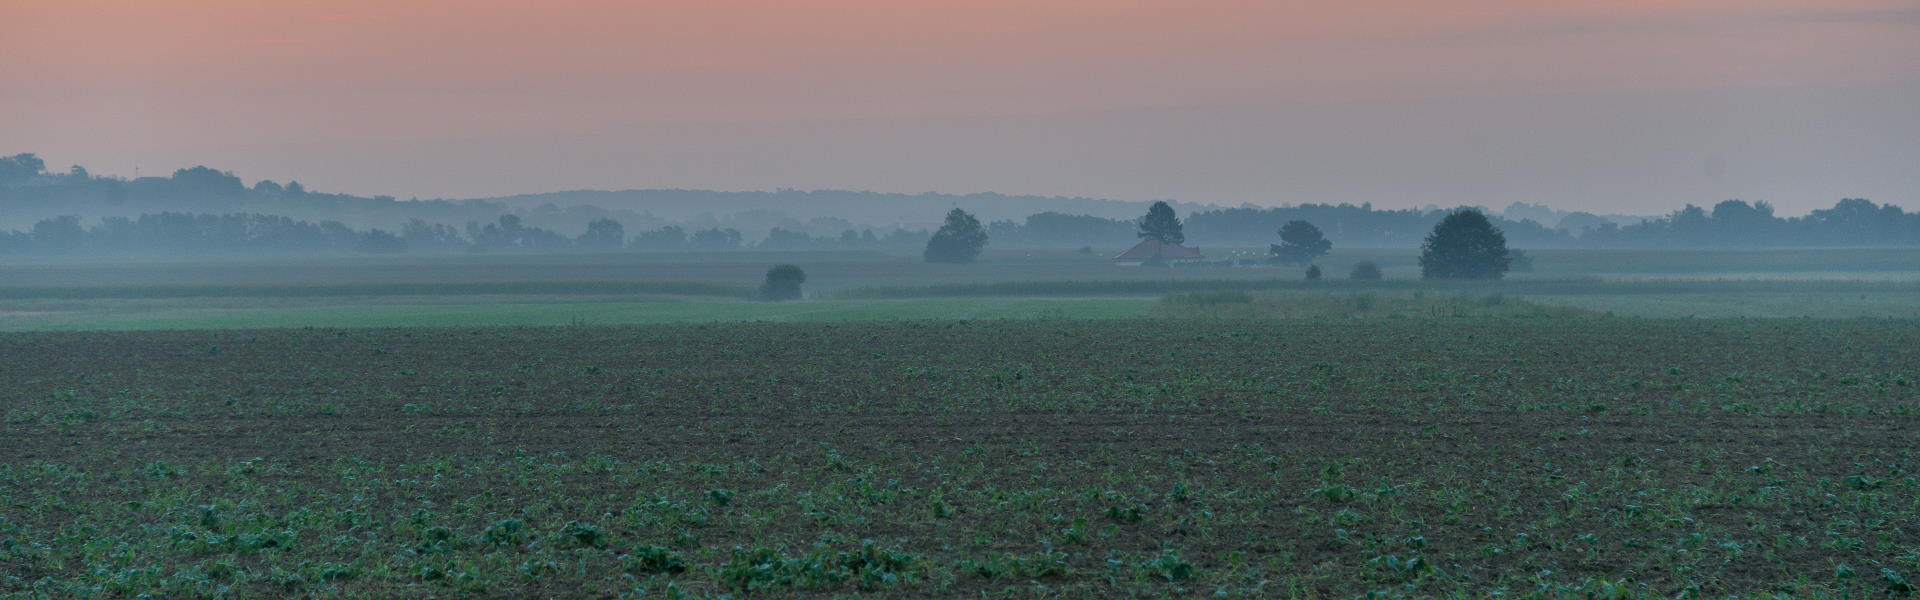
1151	247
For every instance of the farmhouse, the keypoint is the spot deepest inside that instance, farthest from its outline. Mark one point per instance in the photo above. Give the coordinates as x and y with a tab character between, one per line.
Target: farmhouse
1152	251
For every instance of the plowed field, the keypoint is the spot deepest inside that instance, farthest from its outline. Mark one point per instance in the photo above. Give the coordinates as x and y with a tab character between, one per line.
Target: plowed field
1552	458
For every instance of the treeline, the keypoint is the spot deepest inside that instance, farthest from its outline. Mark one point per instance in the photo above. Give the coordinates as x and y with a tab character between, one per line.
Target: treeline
1738	224
1352	226
171	233
201	210
1732	224
29	193
190	234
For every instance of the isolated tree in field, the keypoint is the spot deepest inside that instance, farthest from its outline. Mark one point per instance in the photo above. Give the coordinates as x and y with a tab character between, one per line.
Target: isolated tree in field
783	283
1161	224
1365	271
1465	245
1313	272
1300	243
604	235
959	241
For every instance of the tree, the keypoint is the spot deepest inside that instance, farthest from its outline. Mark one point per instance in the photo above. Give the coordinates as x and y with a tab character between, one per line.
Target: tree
1578	222
958	241
786	239
420	235
19	167
1313	272
664	239
1300	243
60	234
604	235
715	239
1161	224
205	187
1465	245
1366	270
376	241
783	283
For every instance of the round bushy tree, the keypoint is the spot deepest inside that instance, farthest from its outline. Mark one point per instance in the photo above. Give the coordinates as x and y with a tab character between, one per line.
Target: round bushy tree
1465	245
1313	272
1300	243
783	283
1365	271
958	241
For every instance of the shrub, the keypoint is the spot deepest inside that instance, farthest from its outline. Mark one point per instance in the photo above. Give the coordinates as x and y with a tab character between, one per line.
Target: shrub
783	283
1313	272
1365	271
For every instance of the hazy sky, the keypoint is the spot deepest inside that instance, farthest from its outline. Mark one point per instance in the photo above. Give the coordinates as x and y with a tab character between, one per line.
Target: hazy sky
1619	106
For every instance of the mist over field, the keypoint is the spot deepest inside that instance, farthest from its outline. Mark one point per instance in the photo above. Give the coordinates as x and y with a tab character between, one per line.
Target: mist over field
950	299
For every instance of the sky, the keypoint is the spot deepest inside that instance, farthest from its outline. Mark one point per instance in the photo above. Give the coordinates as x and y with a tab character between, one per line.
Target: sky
1621	106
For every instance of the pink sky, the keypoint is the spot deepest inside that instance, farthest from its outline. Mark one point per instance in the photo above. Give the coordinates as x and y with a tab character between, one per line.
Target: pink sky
1631	106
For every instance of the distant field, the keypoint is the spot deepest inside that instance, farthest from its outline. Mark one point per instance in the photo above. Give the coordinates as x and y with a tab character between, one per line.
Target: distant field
647	288
1900	305
537	310
832	271
1292	458
826	271
519	312
1358	305
1442	304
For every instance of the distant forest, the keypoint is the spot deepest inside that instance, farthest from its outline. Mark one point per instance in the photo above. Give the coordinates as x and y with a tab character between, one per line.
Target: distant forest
202	211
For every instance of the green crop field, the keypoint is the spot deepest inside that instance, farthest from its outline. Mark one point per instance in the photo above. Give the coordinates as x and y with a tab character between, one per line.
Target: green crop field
538	311
1575	456
1038	425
